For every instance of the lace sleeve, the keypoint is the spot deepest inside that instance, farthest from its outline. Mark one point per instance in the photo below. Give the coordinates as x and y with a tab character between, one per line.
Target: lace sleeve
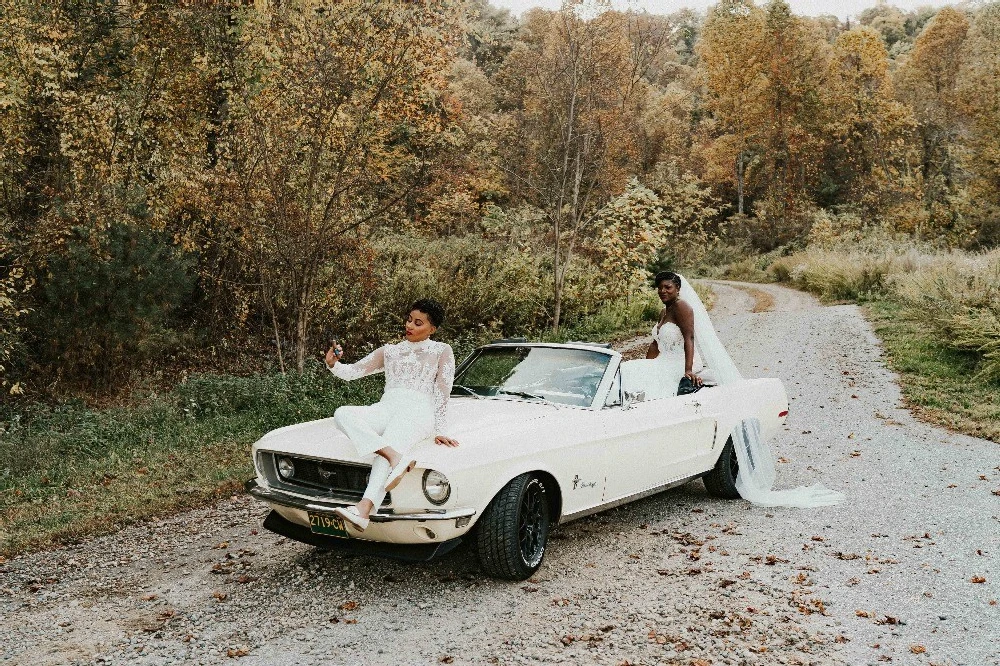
442	389
374	362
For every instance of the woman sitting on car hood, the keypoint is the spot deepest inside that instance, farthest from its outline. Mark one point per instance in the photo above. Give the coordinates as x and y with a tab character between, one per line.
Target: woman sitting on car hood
419	373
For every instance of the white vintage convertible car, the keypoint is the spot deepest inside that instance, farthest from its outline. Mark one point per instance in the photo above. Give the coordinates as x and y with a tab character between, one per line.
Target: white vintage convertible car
548	433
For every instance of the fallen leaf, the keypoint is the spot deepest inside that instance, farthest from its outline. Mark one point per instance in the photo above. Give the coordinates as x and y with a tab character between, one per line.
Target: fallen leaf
219	546
237	652
446	659
221	596
349	605
888	619
952	485
978	579
862	613
918	649
351	621
841	639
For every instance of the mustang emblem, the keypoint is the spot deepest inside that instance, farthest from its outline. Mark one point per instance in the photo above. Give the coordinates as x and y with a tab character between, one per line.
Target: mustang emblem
578	482
327	474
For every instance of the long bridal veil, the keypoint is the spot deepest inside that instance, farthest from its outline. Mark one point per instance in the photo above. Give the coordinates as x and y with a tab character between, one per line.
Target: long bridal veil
755	479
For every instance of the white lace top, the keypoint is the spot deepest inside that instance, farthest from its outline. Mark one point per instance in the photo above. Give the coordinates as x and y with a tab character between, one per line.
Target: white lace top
427	366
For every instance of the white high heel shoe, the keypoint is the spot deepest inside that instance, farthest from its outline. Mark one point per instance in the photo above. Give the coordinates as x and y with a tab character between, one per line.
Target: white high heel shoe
397	472
351	515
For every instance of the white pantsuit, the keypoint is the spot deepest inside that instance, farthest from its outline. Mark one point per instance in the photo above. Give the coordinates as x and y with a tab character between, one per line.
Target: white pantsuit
401	419
414	406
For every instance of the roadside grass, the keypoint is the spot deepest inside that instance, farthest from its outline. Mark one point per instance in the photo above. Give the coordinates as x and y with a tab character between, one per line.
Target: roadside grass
937	381
937	312
69	471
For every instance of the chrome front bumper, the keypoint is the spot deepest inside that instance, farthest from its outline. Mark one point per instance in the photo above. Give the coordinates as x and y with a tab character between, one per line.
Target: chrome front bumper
316	505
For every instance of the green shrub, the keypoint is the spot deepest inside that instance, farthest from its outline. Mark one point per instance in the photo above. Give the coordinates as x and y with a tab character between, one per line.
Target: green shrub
109	302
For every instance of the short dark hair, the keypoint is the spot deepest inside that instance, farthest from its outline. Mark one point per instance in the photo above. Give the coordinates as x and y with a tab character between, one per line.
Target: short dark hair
667	275
431	308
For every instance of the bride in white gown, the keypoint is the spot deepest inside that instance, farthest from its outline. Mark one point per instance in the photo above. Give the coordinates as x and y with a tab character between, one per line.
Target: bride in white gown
691	330
672	348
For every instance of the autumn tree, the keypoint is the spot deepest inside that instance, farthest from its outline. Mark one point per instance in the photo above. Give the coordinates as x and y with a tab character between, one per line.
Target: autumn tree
332	107
573	94
928	82
791	135
868	127
732	66
99	123
979	92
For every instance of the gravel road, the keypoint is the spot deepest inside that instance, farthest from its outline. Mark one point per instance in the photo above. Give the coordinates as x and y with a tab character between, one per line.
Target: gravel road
679	578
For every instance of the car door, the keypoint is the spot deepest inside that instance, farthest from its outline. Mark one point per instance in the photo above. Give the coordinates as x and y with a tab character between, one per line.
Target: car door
654	442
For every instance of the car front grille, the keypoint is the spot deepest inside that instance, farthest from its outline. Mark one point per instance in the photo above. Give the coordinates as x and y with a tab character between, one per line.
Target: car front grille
320	478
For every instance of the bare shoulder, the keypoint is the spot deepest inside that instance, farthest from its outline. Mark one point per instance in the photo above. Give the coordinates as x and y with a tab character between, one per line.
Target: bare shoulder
684	308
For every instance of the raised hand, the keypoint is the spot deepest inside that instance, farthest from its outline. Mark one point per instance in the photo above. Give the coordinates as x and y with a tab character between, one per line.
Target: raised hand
445	441
333	354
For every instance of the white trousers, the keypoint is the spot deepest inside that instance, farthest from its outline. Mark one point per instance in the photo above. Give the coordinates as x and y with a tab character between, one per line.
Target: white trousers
401	419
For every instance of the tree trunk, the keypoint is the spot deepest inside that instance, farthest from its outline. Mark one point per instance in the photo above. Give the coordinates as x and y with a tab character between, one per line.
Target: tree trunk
740	169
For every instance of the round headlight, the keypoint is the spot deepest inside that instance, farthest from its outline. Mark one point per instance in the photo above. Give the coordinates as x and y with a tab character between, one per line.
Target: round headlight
286	468
437	488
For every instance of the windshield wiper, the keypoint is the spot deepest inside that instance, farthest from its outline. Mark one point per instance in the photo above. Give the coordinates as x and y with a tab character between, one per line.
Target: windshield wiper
523	394
468	390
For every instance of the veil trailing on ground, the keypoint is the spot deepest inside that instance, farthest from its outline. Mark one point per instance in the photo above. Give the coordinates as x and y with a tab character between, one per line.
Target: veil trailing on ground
756	464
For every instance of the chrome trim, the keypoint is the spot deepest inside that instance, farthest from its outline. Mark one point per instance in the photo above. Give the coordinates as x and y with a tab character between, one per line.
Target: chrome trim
278	497
627	499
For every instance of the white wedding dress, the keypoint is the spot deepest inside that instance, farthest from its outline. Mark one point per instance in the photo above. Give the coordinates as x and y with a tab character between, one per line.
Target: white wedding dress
755	479
665	371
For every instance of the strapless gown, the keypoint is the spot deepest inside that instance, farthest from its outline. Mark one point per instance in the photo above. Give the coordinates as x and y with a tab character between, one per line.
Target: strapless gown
668	366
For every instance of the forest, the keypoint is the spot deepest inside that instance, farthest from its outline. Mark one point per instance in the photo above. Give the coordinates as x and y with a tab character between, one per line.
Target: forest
222	187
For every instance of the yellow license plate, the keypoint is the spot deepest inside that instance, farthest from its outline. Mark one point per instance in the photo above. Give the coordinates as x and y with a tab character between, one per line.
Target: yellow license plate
329	525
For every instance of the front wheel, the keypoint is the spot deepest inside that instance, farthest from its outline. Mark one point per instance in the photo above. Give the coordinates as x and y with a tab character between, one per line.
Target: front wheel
721	480
514	529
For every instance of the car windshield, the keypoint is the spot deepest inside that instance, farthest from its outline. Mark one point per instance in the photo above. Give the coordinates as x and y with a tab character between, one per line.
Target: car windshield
558	375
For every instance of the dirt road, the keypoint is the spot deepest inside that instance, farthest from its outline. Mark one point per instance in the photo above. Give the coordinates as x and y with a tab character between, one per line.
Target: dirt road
679	578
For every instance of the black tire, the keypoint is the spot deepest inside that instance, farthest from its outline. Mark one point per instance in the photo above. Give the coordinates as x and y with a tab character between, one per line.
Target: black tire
721	481
514	529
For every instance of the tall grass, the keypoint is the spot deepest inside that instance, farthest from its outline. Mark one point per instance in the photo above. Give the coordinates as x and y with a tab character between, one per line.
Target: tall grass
955	294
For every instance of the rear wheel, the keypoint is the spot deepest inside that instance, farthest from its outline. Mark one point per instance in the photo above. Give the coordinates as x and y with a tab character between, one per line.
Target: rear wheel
721	480
514	529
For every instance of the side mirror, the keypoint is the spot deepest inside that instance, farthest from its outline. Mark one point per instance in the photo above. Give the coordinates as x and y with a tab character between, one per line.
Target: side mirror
632	398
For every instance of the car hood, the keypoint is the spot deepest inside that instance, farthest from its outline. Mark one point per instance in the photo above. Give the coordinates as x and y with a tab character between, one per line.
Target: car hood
476	424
